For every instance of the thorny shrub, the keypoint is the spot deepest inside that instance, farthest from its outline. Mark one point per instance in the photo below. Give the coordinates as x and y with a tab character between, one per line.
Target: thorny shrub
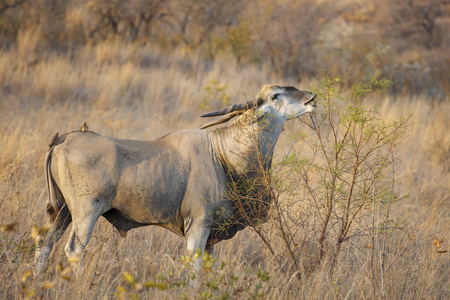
340	187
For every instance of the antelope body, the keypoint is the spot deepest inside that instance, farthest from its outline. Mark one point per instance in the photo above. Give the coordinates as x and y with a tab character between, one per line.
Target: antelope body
179	181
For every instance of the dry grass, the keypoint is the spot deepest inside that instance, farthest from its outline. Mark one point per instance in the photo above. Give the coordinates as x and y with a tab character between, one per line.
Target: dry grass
143	93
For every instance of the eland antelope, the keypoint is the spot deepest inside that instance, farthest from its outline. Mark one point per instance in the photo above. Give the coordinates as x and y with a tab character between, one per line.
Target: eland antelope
179	181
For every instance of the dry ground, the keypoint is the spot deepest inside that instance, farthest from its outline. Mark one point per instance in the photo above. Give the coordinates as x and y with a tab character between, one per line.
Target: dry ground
143	93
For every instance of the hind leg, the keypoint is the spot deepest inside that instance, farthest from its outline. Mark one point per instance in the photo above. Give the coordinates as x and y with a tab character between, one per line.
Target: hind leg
59	226
82	227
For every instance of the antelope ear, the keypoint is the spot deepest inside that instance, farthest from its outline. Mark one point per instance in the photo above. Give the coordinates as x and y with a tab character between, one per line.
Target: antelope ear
264	113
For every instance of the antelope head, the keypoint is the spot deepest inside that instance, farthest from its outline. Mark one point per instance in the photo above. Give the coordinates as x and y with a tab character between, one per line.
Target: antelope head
281	101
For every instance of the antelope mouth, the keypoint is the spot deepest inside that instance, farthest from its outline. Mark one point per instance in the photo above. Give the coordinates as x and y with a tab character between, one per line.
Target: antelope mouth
311	100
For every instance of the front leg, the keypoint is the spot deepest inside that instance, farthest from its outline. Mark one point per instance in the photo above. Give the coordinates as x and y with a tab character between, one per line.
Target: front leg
210	250
197	236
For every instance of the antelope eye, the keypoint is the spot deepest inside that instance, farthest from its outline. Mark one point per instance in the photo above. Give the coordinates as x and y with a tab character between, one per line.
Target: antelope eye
275	96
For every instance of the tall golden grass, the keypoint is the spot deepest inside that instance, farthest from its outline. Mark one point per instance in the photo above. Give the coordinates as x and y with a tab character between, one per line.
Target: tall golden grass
135	92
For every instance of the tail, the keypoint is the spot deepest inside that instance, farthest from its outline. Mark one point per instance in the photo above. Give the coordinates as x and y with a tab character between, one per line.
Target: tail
58	212
54	204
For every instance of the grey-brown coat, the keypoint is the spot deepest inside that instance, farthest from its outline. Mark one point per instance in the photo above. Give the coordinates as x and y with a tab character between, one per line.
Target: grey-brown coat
178	182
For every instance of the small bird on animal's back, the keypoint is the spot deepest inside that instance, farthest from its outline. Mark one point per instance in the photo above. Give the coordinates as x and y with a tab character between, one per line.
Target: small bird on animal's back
84	127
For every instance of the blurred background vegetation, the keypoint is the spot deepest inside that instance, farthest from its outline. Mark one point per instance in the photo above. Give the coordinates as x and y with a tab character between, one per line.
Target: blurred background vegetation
140	69
407	40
